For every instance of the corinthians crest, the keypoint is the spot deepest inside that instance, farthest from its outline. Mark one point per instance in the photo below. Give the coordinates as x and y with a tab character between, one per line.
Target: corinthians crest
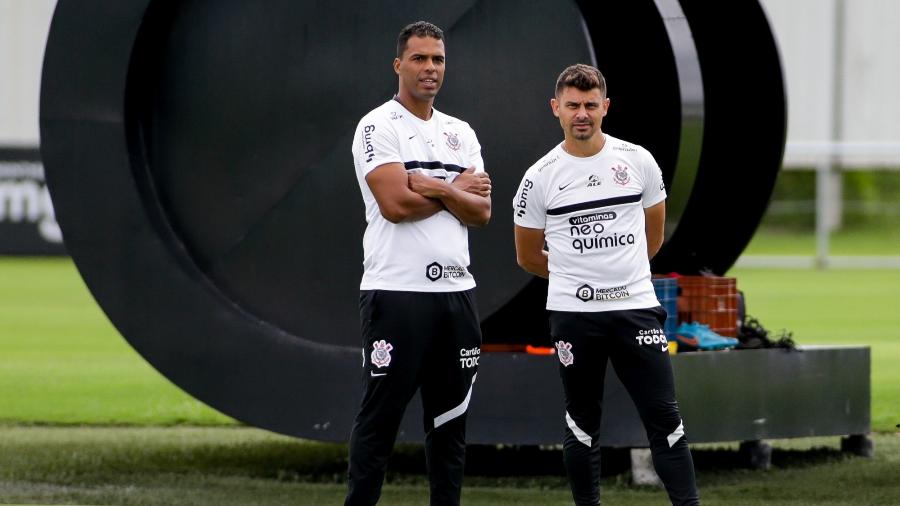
564	352
452	141
621	178
381	354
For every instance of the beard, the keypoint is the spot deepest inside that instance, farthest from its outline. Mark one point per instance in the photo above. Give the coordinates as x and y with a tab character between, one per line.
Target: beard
583	135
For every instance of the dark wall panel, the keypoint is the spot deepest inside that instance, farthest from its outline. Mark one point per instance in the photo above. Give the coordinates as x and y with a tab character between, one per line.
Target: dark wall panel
247	123
198	154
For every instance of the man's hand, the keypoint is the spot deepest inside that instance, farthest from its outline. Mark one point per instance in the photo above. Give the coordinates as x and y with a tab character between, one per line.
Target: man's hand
390	186
427	186
476	183
469	201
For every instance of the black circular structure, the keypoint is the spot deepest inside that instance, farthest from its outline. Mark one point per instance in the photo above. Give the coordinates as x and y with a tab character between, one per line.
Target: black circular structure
198	158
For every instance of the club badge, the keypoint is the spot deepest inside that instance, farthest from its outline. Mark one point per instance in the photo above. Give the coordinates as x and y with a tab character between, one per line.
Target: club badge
381	354
621	178
452	141
564	352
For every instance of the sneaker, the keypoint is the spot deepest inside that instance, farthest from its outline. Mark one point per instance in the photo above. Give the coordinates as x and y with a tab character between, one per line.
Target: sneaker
698	336
684	336
753	335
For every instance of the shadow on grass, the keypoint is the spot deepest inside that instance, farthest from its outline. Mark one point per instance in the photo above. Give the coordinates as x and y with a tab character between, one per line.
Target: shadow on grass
532	461
731	459
505	461
84	454
326	463
238	466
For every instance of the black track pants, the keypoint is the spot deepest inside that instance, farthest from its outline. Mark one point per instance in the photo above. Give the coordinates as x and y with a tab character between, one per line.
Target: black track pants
414	340
634	343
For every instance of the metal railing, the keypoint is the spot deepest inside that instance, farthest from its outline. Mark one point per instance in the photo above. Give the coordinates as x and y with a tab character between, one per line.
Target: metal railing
829	160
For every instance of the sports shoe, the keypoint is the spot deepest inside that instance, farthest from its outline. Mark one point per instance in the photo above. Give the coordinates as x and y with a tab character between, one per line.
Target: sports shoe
753	335
697	336
685	338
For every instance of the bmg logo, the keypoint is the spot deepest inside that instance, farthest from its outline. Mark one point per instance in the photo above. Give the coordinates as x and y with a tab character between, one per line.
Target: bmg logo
367	142
434	271
522	202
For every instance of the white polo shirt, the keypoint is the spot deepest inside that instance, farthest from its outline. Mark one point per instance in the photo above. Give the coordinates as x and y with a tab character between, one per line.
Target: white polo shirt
429	255
592	213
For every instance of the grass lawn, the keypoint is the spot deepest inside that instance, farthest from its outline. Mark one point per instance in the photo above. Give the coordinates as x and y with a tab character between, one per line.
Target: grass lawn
239	466
63	363
836	307
866	241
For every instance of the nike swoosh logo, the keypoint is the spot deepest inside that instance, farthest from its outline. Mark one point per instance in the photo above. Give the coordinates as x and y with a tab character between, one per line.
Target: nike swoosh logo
564	186
413	135
665	348
376	375
692	341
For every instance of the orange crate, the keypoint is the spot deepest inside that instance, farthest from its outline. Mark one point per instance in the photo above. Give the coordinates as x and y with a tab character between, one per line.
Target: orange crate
710	300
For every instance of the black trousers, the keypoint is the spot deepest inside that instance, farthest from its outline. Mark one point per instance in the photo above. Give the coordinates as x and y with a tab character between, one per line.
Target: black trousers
412	341
634	343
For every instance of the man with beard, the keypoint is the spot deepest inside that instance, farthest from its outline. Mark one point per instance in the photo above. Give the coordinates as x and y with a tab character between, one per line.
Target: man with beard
599	205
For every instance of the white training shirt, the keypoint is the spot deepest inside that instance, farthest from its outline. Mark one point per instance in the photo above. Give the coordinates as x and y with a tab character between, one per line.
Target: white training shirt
429	255
592	213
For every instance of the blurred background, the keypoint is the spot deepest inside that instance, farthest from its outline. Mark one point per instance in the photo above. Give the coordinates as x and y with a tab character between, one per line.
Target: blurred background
838	195
824	264
840	166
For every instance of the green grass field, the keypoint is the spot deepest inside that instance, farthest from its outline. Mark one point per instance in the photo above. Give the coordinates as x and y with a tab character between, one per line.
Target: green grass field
859	241
66	376
837	307
239	466
64	363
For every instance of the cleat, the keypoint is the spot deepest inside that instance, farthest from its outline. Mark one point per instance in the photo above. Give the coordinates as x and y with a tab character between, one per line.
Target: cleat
697	336
752	335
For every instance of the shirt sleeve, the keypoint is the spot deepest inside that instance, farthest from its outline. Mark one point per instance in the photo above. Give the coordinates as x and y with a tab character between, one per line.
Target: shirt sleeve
654	188
375	144
529	208
475	152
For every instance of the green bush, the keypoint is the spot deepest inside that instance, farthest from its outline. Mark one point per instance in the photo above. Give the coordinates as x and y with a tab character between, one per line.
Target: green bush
871	199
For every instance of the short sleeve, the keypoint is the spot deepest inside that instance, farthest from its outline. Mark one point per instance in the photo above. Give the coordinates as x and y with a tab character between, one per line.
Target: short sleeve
529	208
375	144
475	158
654	188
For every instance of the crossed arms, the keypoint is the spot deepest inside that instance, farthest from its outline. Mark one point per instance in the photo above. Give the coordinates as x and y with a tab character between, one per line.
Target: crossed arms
403	196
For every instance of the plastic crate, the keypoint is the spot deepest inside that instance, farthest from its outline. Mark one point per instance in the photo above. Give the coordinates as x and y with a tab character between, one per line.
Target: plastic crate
667	293
711	300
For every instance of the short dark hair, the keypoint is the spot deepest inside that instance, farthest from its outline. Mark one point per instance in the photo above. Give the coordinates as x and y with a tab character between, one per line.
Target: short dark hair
581	76
417	29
